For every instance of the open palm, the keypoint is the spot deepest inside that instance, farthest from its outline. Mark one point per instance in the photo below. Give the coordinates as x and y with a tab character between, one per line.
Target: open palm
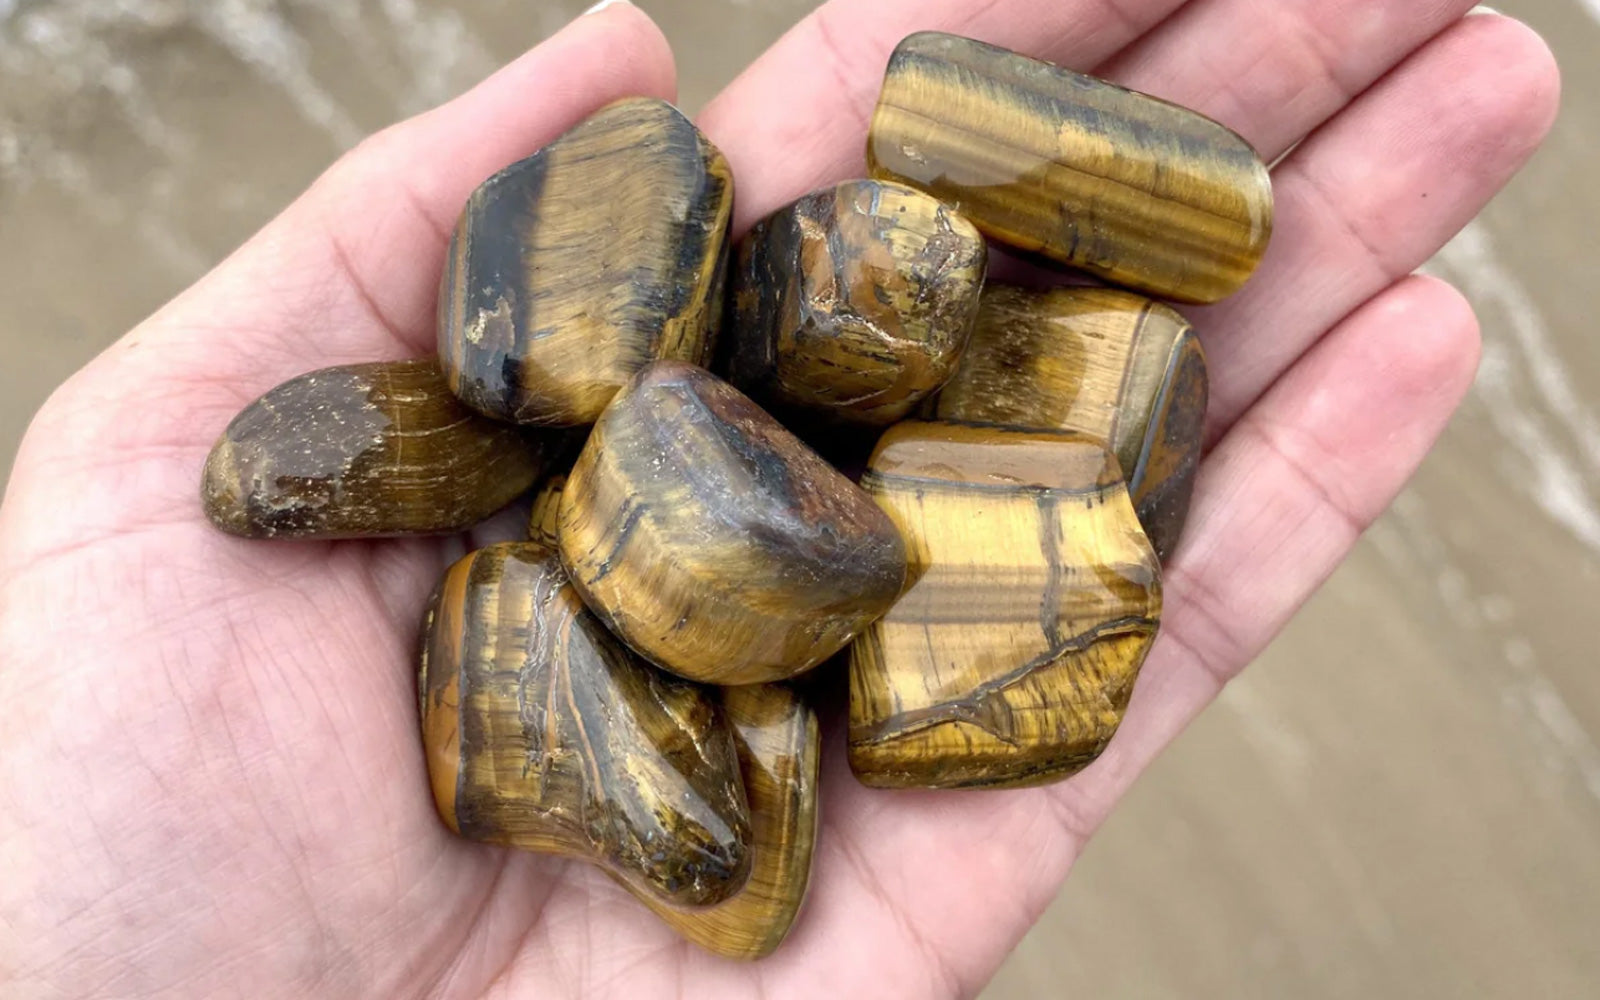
210	778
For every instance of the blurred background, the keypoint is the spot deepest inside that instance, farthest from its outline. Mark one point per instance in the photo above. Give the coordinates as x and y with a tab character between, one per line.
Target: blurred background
1401	799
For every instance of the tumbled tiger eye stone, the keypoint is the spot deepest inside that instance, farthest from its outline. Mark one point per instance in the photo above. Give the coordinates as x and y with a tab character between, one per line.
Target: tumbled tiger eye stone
779	747
365	451
1011	658
576	267
544	524
1135	190
544	733
714	541
1109	364
854	303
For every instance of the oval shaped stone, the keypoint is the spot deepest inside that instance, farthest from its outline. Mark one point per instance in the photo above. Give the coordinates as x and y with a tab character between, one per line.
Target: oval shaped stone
780	749
854	304
576	267
365	451
1011	658
1102	362
1132	189
544	733
714	541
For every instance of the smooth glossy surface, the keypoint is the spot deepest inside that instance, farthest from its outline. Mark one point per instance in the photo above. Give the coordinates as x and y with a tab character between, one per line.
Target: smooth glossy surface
779	746
575	268
1135	190
1010	660
365	451
854	304
1106	363
714	541
544	733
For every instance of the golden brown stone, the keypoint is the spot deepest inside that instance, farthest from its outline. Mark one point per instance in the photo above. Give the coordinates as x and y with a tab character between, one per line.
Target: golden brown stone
779	747
575	268
1106	363
714	541
854	304
365	451
1135	190
544	733
1011	658
544	524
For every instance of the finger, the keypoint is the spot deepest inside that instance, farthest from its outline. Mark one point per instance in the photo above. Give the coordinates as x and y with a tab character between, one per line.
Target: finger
351	270
955	880
1273	72
1377	191
348	273
796	120
1282	500
423	171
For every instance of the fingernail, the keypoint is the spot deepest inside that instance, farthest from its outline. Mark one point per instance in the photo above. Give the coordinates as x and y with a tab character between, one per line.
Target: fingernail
1481	8
602	5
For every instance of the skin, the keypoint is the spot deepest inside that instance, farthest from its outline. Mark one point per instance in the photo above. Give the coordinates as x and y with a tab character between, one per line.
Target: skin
210	778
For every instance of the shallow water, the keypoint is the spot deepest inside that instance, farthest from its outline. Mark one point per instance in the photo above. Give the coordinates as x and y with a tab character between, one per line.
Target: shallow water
1401	799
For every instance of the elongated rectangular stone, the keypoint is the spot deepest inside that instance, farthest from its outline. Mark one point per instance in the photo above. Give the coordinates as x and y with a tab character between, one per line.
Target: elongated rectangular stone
1133	189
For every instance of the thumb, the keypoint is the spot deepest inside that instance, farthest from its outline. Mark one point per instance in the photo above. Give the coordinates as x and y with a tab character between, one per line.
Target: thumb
347	273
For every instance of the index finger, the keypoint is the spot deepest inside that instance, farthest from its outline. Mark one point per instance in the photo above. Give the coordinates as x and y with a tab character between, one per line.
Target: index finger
796	120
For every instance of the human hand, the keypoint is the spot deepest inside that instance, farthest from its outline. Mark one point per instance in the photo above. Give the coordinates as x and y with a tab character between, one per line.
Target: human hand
210	776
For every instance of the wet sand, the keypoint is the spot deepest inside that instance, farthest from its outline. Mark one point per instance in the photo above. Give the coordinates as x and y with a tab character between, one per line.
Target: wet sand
1401	799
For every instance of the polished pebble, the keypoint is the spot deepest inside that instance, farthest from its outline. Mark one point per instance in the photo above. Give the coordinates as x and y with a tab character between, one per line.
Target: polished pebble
1036	596
365	451
854	304
1134	190
714	541
780	746
575	268
1106	363
544	733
